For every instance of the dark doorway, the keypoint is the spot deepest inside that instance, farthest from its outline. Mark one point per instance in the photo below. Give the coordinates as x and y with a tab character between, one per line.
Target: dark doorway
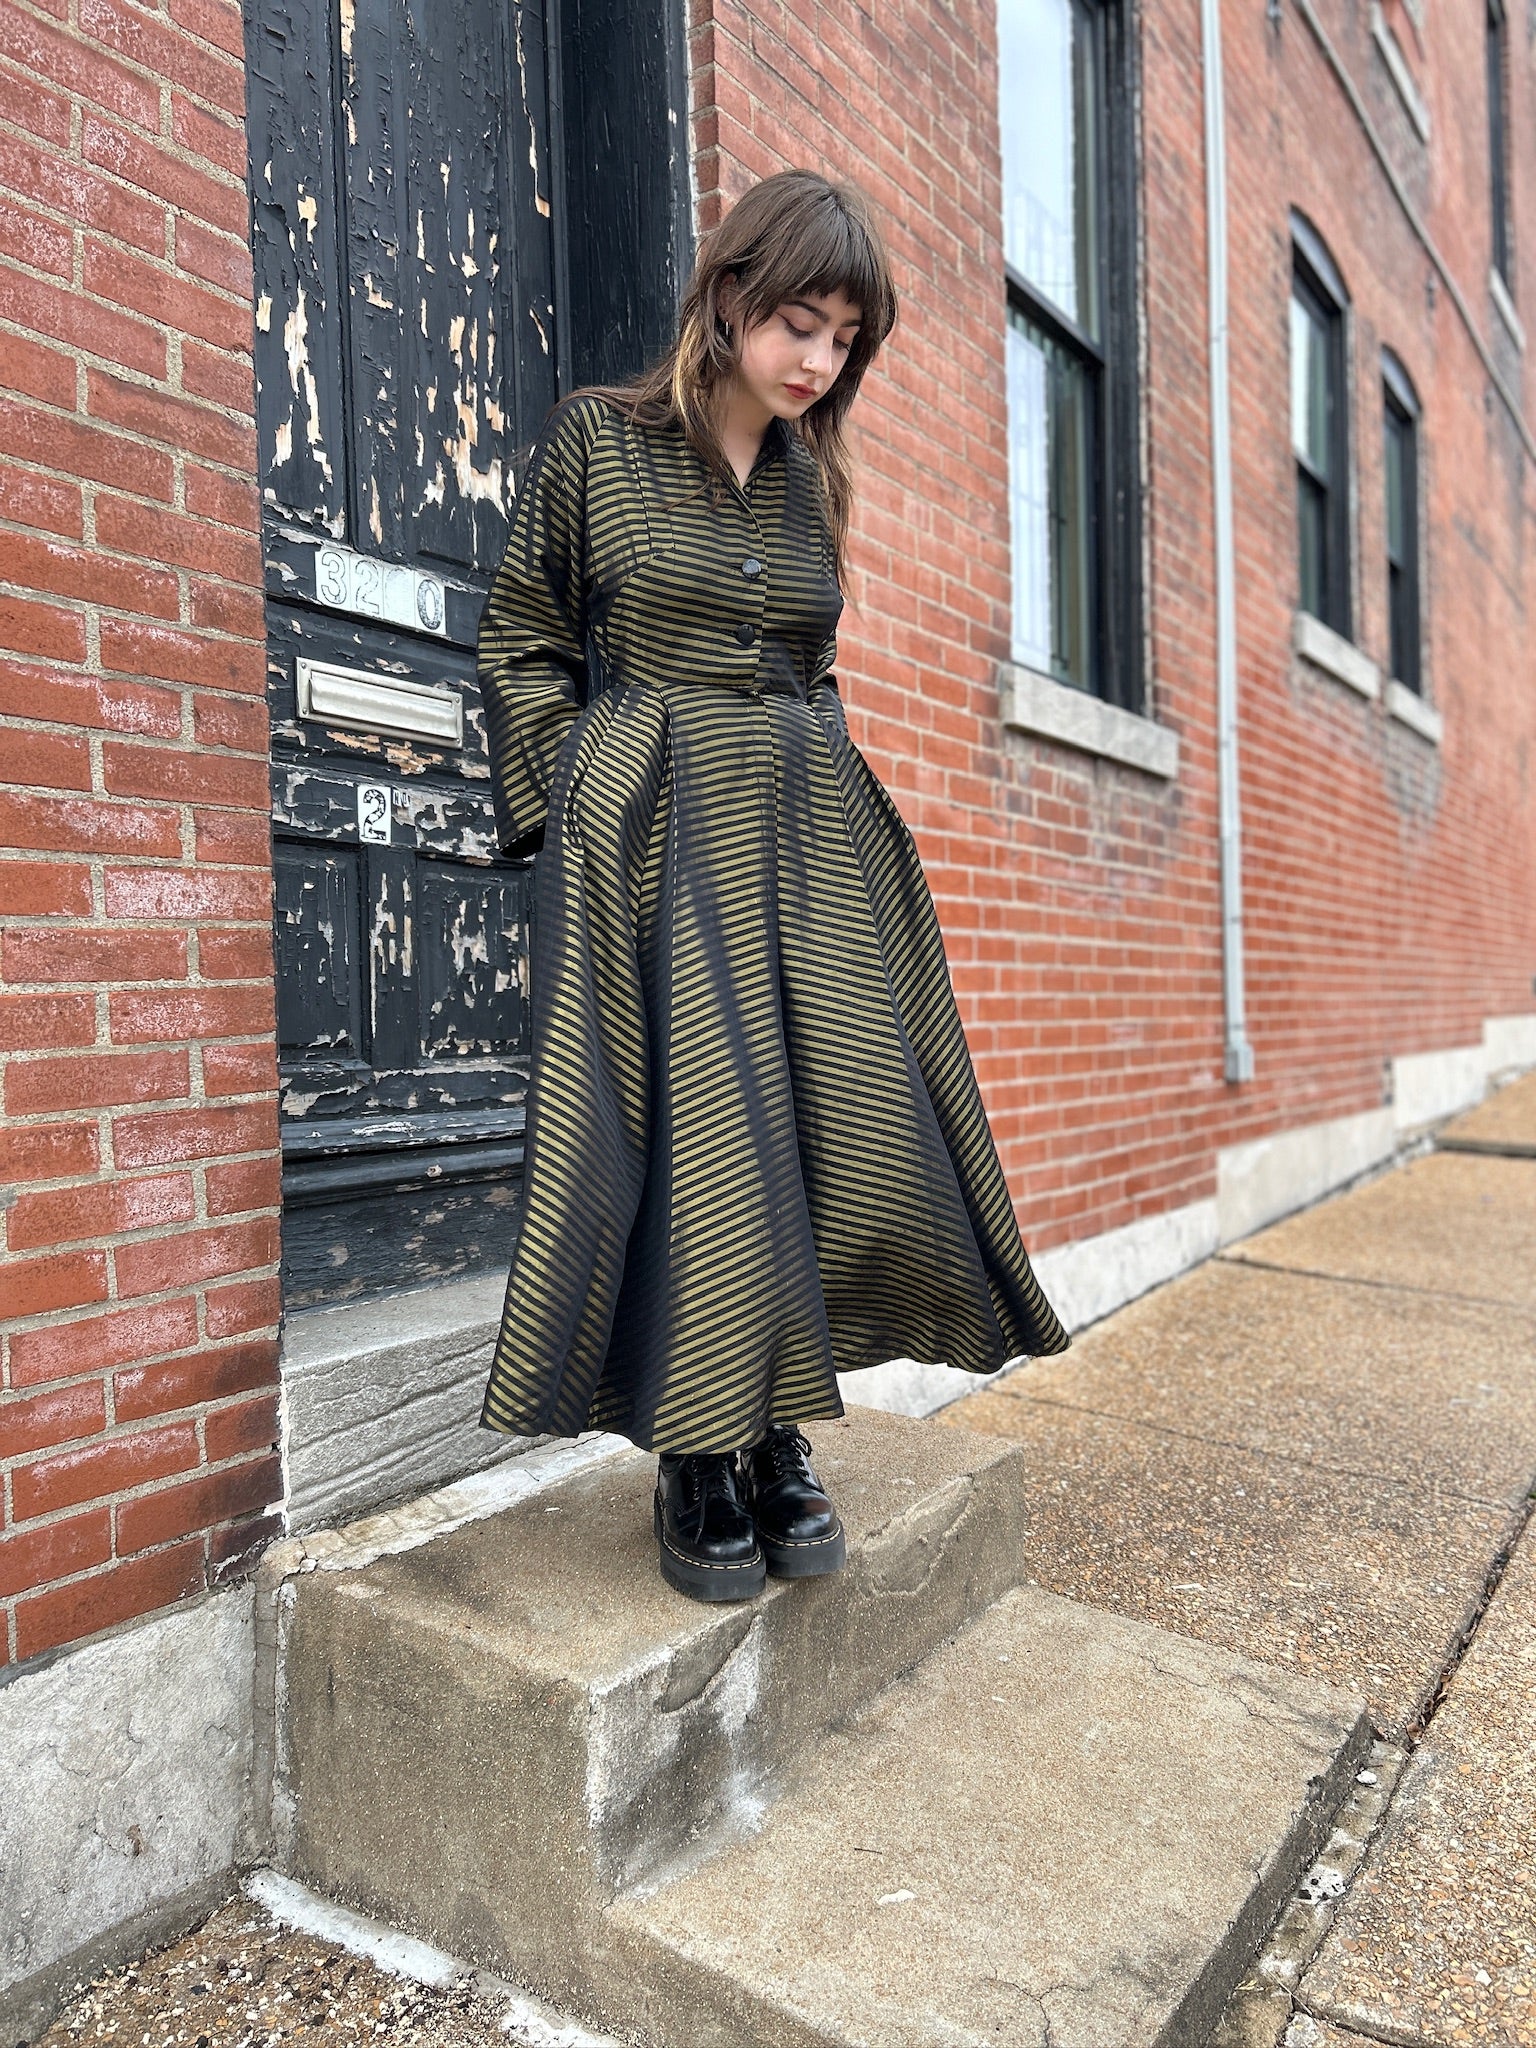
424	186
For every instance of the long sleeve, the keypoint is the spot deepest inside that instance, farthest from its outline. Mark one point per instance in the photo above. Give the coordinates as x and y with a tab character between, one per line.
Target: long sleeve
530	653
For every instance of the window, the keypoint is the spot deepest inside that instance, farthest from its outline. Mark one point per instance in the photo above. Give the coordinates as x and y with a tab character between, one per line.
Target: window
1402	482
1069	262
1498	148
1320	431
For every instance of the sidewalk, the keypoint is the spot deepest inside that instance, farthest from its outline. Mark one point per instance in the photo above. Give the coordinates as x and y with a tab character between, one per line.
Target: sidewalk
1319	1449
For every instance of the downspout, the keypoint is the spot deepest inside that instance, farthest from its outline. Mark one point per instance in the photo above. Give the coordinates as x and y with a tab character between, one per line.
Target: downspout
1238	1053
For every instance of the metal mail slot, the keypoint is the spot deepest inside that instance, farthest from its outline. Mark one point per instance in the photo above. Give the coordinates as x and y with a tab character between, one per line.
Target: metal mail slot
382	704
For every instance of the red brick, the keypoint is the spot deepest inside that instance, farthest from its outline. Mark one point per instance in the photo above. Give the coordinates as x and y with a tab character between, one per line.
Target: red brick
235	1548
34	240
103	1080
25	102
44	760
45	629
47	52
239	1069
97	1343
114	956
228	379
68	1215
185	1257
86	574
36	1557
234	955
44	888
63	184
83	449
239	723
84	1606
86	825
188	187
33	500
148	40
241	1429
246	1306
232	500
28	1023
207	136
35	1287
200	1503
181	423
210	1375
186	777
167	892
215	21
168	1136
34	1422
38	371
80	323
228	608
218	259
247	1184
93	1471
46	1151
236	838
189	541
178	656
39	691
176	1017
164	296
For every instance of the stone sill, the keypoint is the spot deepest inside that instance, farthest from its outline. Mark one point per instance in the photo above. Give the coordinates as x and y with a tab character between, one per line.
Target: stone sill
1504	305
1409	707
1397	69
1335	655
1038	704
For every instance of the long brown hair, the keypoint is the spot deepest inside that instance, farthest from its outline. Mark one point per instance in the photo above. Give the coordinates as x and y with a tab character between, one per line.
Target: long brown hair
794	235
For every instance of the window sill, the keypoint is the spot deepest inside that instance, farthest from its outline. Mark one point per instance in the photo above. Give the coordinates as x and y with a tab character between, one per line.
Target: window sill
1504	306
1410	709
1398	71
1036	703
1335	655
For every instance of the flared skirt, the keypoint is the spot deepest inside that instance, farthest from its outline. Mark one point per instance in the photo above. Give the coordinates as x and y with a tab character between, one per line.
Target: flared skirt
757	1155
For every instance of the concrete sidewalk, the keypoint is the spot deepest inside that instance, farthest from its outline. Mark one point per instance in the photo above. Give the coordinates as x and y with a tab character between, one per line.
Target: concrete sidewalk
1318	1449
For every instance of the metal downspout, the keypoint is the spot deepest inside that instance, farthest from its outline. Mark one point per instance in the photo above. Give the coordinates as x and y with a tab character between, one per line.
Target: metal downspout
1238	1054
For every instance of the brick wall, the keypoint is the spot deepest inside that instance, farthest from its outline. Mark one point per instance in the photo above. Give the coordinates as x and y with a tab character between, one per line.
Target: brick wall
1388	900
138	1293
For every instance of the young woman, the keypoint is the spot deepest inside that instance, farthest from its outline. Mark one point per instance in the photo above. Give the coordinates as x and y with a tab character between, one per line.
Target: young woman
756	1155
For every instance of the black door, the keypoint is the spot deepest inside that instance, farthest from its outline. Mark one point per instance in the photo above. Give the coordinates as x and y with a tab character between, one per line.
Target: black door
417	202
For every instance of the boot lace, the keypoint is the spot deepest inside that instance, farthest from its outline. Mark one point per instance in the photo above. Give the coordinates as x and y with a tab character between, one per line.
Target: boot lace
788	1449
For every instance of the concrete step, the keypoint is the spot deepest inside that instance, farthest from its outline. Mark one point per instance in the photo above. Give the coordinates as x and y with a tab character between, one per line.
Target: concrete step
905	1804
1064	1830
485	1739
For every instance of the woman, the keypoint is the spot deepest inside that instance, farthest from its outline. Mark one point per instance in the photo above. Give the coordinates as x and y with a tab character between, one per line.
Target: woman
756	1154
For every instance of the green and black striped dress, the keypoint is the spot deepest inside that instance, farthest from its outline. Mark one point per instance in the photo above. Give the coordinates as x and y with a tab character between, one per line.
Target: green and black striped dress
757	1155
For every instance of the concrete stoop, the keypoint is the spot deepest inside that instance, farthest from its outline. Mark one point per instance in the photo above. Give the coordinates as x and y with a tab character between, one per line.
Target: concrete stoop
916	1803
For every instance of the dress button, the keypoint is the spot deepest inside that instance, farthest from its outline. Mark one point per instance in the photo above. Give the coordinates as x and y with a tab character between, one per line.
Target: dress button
746	633
751	566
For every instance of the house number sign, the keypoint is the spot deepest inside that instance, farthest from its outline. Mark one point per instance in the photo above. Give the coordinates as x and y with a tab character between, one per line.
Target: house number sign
370	589
375	816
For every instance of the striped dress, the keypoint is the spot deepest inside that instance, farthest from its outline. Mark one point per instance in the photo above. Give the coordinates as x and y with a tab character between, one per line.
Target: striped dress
757	1155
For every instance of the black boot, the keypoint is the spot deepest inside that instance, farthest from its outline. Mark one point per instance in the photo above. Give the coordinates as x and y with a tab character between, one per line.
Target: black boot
797	1525
709	1549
